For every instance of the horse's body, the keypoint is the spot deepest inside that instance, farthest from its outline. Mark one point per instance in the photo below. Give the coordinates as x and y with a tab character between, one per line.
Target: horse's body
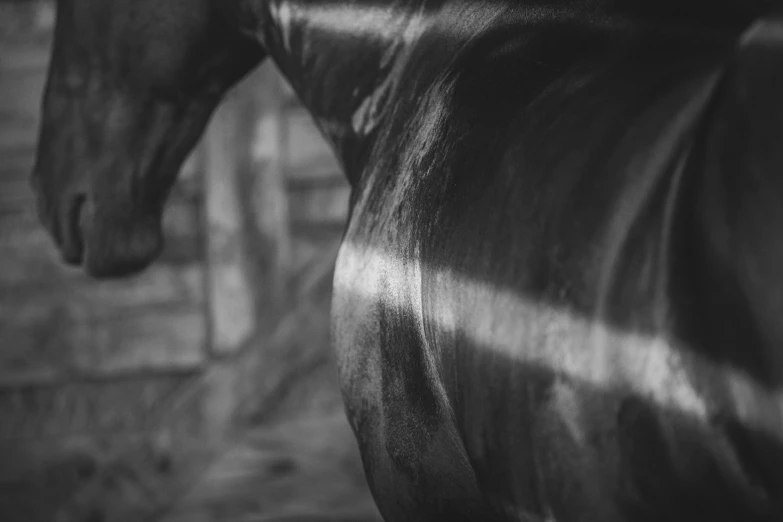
557	296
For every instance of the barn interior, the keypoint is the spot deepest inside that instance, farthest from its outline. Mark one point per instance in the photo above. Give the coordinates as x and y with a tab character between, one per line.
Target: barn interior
203	389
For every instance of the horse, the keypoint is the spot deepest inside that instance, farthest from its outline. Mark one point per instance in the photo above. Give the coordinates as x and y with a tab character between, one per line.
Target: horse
557	295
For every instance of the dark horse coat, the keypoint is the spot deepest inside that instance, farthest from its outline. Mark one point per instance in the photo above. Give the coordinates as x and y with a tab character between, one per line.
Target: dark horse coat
559	295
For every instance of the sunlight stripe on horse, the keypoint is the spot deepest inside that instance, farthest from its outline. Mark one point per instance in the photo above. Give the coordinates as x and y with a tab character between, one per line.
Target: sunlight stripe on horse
590	351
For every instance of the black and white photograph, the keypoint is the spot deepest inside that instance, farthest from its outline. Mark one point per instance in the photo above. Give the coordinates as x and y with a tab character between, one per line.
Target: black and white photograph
391	260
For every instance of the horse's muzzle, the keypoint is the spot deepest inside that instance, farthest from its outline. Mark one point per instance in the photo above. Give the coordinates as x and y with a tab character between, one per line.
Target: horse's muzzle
105	241
116	243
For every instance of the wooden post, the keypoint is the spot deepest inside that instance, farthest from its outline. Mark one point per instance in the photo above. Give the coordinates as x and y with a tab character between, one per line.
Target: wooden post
267	194
248	239
231	307
228	286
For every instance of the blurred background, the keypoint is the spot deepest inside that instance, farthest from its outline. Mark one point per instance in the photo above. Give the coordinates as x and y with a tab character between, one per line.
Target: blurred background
204	389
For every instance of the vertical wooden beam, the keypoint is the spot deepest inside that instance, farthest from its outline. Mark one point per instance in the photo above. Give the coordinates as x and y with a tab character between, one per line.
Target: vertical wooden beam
229	287
247	238
265	198
267	190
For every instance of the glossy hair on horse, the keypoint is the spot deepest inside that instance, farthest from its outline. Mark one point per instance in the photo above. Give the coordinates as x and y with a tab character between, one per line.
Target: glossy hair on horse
557	296
130	89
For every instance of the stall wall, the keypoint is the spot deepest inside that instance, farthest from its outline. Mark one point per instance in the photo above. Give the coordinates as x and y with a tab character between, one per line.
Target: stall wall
229	329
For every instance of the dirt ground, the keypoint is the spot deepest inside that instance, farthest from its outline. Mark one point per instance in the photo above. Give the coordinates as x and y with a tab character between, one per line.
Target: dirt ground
305	469
299	470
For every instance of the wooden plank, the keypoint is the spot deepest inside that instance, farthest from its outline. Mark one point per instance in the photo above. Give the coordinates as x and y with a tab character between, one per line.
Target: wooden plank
27	253
24	57
269	203
36	336
55	332
231	302
183	232
16	161
27	21
164	338
16	196
22	92
22	133
43	328
160	287
247	214
223	382
267	195
20	108
122	408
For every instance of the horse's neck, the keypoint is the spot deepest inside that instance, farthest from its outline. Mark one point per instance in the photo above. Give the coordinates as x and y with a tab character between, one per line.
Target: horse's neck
353	62
345	59
335	55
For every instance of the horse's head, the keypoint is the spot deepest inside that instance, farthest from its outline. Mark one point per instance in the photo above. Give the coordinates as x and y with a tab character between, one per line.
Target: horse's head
131	86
